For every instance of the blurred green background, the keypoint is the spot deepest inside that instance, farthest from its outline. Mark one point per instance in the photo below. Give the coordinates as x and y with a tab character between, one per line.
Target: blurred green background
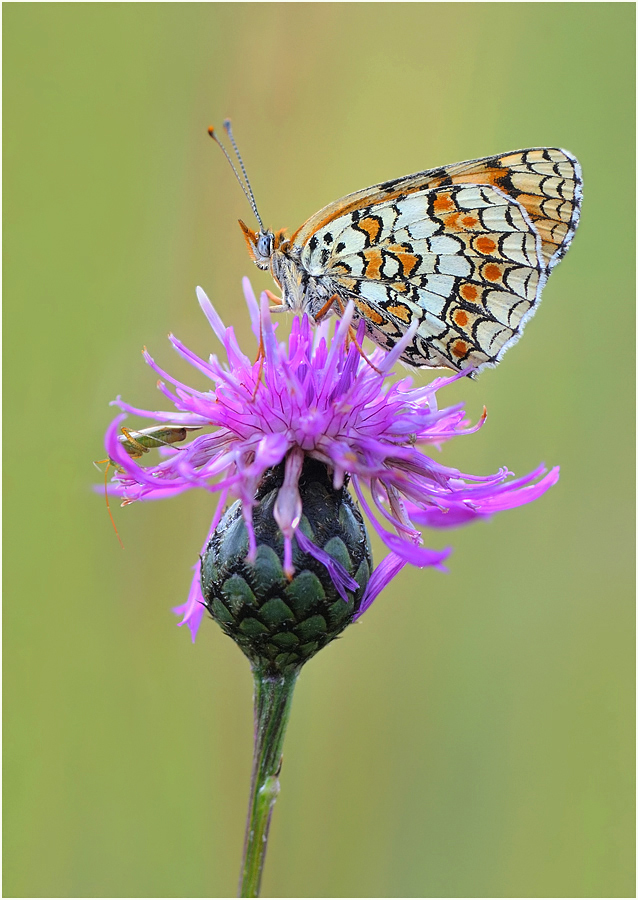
472	736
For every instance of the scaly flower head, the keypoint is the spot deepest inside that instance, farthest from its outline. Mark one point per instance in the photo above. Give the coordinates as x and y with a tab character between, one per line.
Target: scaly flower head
313	398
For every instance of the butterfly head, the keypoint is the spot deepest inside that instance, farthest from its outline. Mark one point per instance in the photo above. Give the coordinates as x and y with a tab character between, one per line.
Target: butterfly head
262	244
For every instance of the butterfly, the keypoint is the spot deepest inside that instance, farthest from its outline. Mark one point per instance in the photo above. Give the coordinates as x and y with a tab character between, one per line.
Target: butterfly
461	253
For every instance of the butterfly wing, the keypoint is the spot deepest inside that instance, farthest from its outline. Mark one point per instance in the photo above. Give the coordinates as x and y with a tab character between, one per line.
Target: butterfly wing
451	247
546	181
465	260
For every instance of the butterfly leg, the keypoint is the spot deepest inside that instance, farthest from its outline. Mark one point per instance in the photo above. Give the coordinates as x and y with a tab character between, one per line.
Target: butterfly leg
325	309
352	334
279	305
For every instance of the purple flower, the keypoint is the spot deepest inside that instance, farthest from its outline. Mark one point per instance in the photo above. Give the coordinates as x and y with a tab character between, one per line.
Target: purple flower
320	398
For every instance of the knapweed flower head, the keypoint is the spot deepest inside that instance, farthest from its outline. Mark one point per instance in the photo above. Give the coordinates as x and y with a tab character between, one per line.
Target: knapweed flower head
314	401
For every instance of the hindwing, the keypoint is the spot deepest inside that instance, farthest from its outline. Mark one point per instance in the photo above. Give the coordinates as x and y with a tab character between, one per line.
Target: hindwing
465	260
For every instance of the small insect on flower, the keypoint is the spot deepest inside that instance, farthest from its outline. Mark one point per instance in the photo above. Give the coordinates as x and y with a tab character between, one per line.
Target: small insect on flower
136	444
464	250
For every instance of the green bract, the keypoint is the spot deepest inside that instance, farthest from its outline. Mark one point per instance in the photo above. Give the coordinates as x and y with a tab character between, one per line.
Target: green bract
280	623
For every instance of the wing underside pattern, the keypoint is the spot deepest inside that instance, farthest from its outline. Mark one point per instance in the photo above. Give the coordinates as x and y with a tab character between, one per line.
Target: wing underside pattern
466	248
466	261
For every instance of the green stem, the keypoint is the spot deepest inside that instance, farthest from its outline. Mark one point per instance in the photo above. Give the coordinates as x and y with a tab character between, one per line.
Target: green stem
273	696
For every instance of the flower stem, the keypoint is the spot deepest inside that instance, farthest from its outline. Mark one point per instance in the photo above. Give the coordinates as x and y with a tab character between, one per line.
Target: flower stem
273	696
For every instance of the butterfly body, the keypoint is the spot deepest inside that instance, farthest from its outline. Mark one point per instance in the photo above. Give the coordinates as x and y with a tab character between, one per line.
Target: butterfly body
464	249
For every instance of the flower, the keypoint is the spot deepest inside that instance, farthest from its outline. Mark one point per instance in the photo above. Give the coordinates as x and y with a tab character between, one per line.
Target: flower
324	400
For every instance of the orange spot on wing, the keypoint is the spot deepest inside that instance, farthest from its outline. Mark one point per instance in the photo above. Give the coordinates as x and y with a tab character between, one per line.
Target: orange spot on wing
374	261
492	272
400	311
485	245
459	348
460	317
468	292
470	221
452	221
443	203
408	262
371	227
368	312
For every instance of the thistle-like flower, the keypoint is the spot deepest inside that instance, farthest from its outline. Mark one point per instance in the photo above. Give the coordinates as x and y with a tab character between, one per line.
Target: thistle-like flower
288	565
321	400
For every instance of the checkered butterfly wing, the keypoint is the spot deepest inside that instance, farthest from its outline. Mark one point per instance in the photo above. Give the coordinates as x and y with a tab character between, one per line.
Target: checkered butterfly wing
466	249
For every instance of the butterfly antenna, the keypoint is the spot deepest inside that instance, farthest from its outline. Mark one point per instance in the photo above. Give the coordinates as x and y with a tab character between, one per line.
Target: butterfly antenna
229	132
211	132
248	192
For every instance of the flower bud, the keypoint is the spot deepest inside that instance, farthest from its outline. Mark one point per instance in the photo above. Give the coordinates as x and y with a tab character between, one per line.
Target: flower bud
281	622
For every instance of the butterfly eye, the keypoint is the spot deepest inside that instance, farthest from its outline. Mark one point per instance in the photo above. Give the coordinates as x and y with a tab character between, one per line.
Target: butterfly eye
265	244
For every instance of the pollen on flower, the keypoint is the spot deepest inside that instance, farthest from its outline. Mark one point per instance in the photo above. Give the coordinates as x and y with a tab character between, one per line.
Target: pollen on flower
317	398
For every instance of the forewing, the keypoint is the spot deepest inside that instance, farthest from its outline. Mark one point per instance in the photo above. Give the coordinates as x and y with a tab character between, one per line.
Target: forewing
465	260
546	181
